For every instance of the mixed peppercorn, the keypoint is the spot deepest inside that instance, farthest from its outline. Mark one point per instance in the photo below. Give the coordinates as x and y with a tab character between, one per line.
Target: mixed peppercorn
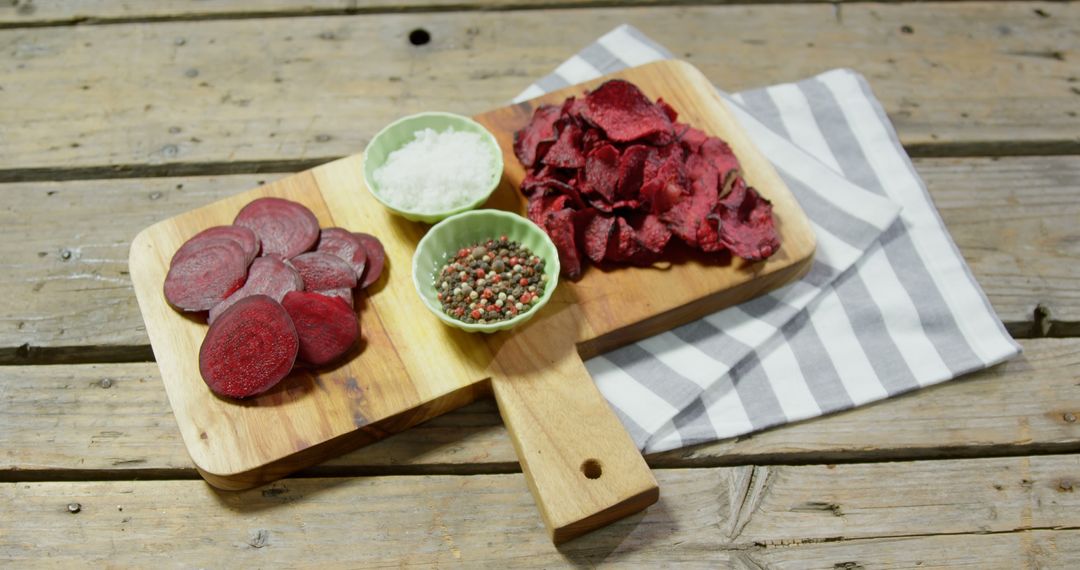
490	282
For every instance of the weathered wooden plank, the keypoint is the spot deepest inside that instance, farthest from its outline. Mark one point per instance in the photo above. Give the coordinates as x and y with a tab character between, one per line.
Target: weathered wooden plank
1015	222
113	421
66	12
64	246
705	517
165	96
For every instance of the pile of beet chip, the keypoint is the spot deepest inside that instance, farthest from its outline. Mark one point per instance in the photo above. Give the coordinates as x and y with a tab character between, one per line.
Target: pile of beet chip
613	175
277	289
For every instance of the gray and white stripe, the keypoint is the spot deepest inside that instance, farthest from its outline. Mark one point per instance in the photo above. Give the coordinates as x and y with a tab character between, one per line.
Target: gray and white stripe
888	306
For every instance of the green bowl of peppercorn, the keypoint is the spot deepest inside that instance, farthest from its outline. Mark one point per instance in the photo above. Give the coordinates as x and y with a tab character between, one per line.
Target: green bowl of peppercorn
485	270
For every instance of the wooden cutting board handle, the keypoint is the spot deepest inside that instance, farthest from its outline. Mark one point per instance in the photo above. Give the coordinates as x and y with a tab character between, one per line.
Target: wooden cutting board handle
583	469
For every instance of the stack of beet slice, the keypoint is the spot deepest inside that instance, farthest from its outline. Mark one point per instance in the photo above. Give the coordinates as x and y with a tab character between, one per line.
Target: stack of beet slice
614	176
295	300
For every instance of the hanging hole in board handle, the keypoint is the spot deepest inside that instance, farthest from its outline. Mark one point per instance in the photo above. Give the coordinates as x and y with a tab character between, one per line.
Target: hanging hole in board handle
591	469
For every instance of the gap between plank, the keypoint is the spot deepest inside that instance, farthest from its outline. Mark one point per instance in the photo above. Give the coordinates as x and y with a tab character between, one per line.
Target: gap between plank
975	149
390	9
665	461
26	354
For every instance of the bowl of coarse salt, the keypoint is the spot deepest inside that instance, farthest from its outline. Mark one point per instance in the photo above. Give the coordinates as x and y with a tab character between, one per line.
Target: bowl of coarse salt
429	166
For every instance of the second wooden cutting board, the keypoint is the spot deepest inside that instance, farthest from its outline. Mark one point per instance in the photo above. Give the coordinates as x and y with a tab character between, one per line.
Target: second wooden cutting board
580	464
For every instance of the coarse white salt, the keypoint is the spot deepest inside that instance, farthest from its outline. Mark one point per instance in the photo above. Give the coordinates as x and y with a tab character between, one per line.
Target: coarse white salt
436	171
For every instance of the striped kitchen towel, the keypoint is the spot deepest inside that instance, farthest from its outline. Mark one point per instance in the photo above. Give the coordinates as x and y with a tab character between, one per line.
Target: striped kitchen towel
887	307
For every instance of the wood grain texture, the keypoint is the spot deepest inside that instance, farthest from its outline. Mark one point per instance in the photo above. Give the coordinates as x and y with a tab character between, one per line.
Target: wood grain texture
113	420
240	92
55	246
65	12
929	514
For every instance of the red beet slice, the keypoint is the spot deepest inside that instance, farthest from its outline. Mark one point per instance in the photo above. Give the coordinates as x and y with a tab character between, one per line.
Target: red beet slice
626	114
321	270
376	258
285	228
541	128
267	276
746	223
207	276
344	294
345	245
251	347
243	237
326	326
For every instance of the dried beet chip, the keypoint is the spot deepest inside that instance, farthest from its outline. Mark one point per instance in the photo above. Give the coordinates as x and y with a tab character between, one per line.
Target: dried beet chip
560	226
684	218
667	187
602	173
626	114
566	152
668	110
746	224
631	171
691	138
653	234
541	128
598	235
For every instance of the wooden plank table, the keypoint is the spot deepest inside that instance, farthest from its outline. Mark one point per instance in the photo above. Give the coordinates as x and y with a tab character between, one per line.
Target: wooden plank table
117	114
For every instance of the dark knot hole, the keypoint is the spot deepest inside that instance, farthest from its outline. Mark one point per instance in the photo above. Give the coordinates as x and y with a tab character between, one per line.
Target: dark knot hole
419	37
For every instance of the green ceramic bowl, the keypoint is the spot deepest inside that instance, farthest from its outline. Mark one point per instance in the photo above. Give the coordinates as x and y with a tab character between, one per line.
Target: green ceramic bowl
401	132
448	236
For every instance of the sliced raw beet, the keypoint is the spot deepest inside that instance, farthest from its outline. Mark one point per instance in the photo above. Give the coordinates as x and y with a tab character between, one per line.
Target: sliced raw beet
376	258
345	245
326	326
540	129
243	237
602	173
321	271
285	228
746	224
343	293
205	277
566	152
267	276
626	114
251	347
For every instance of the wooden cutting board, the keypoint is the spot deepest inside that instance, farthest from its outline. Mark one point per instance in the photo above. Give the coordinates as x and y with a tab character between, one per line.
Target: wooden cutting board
581	465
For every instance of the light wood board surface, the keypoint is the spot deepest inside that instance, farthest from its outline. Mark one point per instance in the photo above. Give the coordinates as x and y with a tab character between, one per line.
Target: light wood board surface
582	466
